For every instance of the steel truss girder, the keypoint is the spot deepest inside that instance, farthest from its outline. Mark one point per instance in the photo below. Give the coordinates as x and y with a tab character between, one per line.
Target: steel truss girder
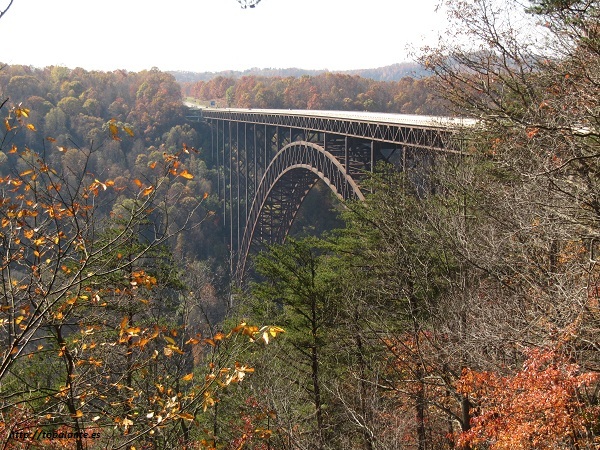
287	180
414	136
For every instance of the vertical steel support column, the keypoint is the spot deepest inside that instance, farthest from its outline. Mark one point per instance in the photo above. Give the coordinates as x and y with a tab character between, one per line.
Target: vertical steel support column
246	173
372	156
237	166
265	160
212	143
230	200
217	164
346	165
255	158
224	177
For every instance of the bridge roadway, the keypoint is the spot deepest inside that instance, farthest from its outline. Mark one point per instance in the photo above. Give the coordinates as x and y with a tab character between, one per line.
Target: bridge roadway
418	131
269	159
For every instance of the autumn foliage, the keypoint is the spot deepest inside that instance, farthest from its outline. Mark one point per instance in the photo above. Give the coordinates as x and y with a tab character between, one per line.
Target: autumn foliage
90	342
545	405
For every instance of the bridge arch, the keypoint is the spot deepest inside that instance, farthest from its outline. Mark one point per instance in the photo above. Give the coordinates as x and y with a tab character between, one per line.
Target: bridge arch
289	177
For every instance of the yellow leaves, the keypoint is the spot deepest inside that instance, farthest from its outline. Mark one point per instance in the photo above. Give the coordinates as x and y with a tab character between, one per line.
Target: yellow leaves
114	127
171	347
128	130
265	333
77	414
114	130
185	416
188	377
21	112
270	331
126	423
185	174
30	126
208	401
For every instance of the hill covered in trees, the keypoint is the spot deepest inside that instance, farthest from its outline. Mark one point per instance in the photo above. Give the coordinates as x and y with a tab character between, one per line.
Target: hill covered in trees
395	72
329	91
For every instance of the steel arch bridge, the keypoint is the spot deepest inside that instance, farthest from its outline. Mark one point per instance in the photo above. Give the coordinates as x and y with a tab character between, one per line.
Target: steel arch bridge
269	160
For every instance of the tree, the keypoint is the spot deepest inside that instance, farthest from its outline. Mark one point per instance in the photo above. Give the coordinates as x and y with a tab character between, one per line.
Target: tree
526	74
89	339
297	285
540	406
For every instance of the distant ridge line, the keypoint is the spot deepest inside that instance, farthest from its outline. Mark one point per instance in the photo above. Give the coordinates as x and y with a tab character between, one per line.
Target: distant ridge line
394	72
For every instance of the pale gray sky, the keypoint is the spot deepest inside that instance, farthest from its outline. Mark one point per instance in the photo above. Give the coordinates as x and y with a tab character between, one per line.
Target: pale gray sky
214	35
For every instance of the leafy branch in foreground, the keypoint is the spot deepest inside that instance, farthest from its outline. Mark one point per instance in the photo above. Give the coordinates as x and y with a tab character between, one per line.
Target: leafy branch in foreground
91	338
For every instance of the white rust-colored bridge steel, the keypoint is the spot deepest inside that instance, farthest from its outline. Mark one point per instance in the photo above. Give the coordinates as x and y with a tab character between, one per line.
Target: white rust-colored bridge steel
268	160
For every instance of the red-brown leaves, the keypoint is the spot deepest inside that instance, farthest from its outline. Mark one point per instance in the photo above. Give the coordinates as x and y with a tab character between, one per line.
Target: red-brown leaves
537	407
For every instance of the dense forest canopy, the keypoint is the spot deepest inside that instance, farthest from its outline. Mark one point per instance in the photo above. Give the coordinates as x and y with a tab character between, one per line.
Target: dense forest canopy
329	91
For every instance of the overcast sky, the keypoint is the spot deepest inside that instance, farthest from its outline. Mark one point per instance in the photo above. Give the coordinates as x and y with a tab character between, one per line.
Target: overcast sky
214	35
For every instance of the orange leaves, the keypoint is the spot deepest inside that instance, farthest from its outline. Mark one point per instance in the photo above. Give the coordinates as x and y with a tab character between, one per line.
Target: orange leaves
97	185
185	174
531	132
141	278
144	191
147	191
538	404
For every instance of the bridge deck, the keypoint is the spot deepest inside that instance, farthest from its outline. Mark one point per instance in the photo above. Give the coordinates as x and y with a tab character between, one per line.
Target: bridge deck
428	132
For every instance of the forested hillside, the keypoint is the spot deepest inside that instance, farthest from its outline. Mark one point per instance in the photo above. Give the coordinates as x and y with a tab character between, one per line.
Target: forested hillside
330	91
72	110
